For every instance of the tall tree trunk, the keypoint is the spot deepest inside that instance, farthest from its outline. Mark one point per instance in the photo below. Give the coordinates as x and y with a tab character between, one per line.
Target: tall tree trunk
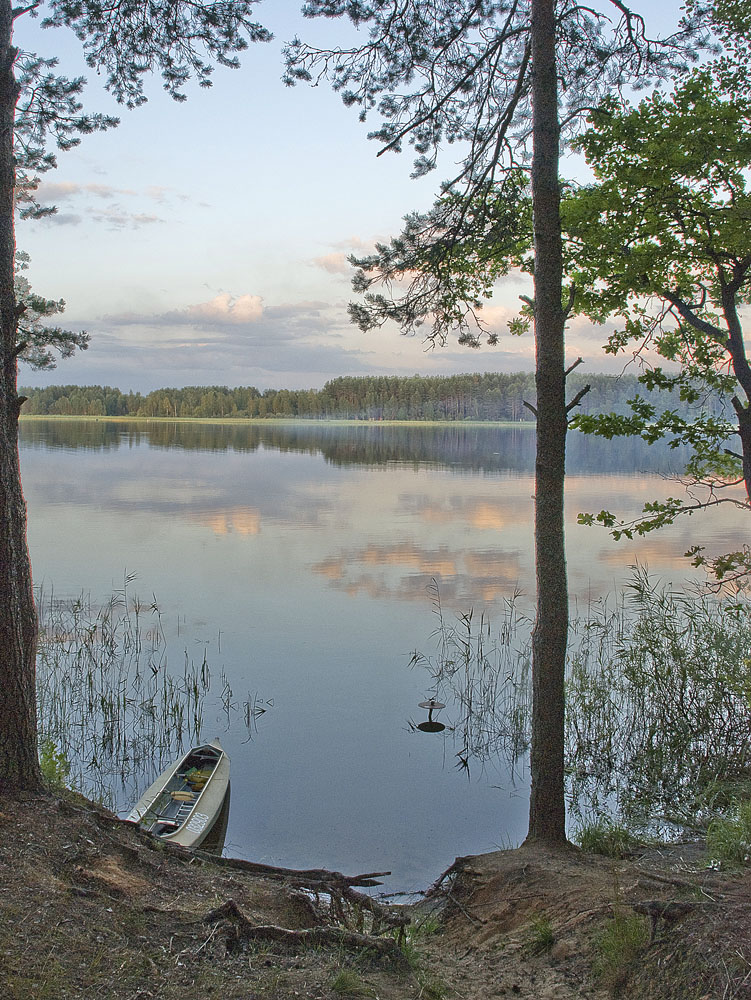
547	811
19	767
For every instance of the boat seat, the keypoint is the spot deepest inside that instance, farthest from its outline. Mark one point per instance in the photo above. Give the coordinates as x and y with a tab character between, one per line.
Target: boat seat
183	796
184	811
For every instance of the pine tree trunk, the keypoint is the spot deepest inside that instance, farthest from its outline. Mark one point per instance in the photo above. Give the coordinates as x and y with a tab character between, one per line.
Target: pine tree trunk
547	811
19	766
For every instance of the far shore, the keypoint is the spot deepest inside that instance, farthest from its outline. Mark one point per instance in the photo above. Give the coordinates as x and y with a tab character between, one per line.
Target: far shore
268	421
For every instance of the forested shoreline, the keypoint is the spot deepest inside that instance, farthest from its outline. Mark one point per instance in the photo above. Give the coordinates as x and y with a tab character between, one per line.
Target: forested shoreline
491	396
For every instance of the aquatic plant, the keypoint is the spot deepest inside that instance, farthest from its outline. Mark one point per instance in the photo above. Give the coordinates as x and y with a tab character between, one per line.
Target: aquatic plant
658	695
659	705
111	708
485	673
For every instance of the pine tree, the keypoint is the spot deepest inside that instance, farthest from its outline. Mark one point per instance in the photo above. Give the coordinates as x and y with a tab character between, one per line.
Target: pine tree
505	78
124	41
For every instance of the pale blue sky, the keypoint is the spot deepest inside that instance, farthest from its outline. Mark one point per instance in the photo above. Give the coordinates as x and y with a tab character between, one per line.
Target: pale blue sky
205	242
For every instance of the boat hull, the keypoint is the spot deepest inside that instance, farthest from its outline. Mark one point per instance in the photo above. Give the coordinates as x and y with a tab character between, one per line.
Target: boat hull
185	801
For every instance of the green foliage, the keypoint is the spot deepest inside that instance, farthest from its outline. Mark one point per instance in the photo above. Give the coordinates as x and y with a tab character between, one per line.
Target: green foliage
490	396
730	21
729	836
606	837
53	762
618	947
662	242
36	341
542	937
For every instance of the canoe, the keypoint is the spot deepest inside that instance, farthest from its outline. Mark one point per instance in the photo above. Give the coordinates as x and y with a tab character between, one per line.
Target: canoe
184	803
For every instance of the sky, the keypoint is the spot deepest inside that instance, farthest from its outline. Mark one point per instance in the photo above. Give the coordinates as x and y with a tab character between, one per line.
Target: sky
205	242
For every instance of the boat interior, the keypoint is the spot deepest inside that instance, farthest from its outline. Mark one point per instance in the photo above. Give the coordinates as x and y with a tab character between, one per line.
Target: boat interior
175	802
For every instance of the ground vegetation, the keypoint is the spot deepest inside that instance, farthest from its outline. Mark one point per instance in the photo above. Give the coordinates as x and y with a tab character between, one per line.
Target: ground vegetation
91	907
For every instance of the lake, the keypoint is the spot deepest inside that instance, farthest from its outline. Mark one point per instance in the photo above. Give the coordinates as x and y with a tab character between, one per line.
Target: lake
299	558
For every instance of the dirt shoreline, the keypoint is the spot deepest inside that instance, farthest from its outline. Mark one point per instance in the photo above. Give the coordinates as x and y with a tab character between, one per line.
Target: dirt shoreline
90	907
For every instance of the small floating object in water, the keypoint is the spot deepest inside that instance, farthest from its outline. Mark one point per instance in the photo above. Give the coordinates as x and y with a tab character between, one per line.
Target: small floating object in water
185	801
430	726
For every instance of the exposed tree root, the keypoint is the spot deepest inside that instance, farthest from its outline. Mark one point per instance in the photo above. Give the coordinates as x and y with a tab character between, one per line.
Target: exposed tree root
239	930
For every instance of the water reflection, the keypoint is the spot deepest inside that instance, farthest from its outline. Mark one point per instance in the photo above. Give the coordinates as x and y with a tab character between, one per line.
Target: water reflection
444	446
657	712
299	558
431	725
215	841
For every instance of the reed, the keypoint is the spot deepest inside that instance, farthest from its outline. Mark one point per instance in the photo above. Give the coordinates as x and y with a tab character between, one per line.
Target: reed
658	693
110	705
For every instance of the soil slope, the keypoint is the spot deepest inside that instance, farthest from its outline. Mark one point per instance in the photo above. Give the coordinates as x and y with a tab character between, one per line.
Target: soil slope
90	907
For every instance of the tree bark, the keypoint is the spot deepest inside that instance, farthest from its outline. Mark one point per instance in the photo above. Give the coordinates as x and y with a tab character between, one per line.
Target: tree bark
547	810
19	767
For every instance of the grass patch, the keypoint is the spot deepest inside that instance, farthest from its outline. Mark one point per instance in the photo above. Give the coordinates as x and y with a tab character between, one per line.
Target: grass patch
729	837
542	936
348	983
429	985
54	763
603	836
618	946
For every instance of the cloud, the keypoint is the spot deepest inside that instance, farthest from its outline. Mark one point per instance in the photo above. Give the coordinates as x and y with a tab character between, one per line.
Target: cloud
356	243
50	191
336	262
497	317
64	219
226	309
116	218
113	215
333	263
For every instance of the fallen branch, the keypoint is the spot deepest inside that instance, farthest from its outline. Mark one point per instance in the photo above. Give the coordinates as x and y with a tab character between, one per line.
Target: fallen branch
679	882
479	921
304	876
320	881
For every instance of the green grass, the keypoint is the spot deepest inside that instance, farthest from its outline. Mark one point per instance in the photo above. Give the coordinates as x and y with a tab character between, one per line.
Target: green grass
729	837
542	937
54	763
348	983
606	837
618	947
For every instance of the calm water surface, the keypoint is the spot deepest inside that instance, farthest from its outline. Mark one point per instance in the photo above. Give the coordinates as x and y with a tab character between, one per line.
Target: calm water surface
299	557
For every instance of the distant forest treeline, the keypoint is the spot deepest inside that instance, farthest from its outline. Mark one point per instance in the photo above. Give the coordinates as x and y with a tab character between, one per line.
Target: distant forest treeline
491	396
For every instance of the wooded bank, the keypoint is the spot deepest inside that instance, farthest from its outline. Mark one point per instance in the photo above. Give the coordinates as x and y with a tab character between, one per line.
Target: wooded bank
491	396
